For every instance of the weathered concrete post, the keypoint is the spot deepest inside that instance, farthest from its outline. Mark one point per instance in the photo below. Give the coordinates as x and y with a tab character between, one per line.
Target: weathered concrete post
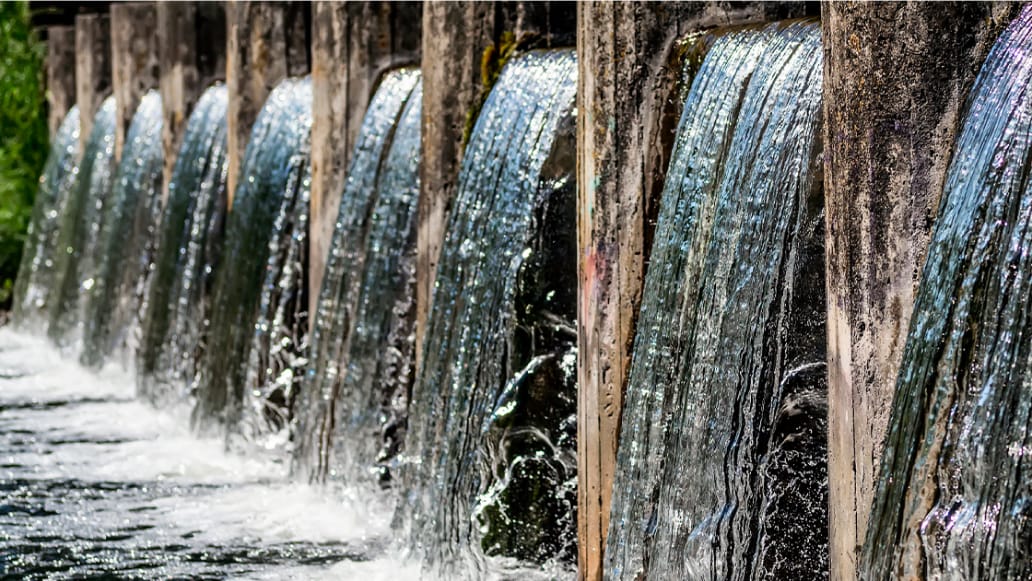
353	43
895	79
134	61
61	88
627	114
191	54
264	46
455	36
92	68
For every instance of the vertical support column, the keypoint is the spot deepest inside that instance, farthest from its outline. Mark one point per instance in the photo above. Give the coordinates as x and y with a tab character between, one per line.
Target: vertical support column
92	68
134	61
628	111
61	88
191	54
895	80
259	35
370	37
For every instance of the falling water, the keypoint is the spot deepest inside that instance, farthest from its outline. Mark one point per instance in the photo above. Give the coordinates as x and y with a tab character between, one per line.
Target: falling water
721	469
362	336
258	331
178	302
126	246
954	500
492	445
36	273
79	230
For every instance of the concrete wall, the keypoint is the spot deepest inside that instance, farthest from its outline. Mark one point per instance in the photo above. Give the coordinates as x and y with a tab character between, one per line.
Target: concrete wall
134	61
92	68
353	43
895	79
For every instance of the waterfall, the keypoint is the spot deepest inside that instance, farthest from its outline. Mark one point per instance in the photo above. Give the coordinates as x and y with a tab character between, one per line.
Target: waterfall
721	469
492	435
355	392
80	226
953	497
258	332
177	307
126	247
35	279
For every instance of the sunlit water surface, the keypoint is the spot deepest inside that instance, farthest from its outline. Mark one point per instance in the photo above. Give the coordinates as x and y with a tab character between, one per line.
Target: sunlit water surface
95	484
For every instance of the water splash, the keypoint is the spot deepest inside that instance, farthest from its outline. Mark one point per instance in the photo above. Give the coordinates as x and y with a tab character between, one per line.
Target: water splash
491	444
33	286
362	337
721	465
126	246
954	498
81	223
177	308
260	295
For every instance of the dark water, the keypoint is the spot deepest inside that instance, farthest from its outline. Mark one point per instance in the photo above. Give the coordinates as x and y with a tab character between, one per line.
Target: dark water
362	337
32	288
259	325
491	442
95	484
721	469
955	496
126	246
177	306
80	227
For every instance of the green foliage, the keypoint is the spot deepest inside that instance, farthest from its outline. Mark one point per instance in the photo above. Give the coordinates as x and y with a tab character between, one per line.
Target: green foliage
23	133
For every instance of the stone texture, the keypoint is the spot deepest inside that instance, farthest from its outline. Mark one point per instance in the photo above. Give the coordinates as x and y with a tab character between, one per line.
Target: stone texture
60	74
92	68
353	44
265	43
191	54
628	111
134	61
895	80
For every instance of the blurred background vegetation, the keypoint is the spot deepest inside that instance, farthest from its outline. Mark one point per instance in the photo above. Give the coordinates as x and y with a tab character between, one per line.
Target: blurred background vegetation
23	134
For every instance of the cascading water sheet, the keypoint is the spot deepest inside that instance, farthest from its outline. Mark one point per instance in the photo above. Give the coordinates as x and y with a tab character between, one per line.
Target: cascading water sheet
81	223
362	336
177	307
258	331
954	500
492	414
126	246
33	287
721	469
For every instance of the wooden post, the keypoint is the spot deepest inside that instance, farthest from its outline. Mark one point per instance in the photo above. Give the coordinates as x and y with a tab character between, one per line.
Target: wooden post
895	80
191	53
627	113
92	68
61	88
455	36
353	44
134	61
259	36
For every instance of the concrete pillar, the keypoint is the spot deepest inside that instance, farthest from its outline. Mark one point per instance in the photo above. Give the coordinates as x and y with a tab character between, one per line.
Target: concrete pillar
92	68
259	37
61	89
353	44
627	113
191	55
134	61
895	79
455	36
